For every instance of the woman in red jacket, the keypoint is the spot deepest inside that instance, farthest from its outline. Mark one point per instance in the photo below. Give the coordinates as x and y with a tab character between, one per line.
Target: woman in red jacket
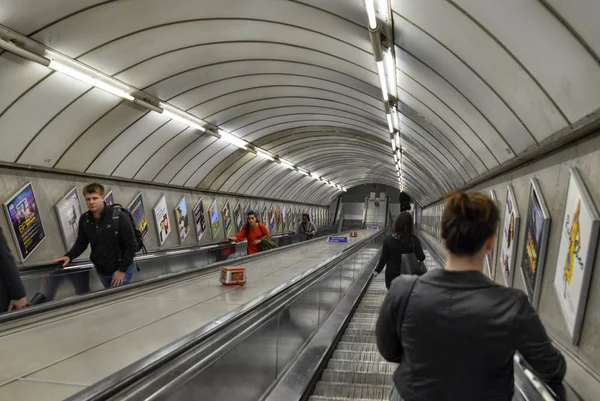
253	231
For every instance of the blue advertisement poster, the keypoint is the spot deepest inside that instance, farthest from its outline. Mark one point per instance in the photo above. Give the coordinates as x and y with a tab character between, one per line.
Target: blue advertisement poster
136	207
26	225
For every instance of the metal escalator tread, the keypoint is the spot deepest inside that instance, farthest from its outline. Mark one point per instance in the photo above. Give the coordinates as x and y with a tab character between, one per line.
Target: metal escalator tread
356	370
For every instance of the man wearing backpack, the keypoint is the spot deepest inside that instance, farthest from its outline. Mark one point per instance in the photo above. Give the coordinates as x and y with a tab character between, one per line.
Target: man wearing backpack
110	232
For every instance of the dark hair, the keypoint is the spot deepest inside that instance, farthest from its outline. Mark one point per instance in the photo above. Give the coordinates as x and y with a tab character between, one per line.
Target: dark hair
306	215
403	226
468	222
94	187
248	224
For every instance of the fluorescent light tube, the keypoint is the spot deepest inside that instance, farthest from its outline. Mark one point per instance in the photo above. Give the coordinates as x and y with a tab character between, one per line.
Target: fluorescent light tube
395	158
89	79
395	119
234	140
393	142
397	136
382	80
314	175
390	124
371	13
391	71
264	155
302	171
287	164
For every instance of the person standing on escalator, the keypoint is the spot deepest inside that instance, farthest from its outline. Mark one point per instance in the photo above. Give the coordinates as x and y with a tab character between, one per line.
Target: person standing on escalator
111	236
453	331
254	232
307	229
12	291
401	242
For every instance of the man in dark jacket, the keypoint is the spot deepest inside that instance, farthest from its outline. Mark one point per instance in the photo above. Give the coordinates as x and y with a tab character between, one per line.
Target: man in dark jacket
307	228
111	237
12	291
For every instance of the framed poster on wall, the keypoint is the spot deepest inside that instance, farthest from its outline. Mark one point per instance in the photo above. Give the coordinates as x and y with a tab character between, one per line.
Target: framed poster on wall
199	219
26	226
271	218
68	211
215	223
248	210
237	214
490	258
264	216
278	217
227	220
284	218
109	199
576	253
182	220
161	218
537	227
510	235
136	207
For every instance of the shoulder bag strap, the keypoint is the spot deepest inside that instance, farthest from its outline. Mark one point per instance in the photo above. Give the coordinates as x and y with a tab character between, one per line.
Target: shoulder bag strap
404	302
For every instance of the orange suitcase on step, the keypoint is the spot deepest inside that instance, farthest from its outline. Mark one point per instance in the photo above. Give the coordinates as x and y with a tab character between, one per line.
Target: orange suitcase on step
233	275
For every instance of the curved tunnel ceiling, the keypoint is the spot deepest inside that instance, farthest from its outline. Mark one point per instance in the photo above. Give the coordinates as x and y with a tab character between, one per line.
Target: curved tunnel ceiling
479	82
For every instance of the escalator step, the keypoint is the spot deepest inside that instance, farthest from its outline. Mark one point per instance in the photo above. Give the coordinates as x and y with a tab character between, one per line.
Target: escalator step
364	367
370	332
323	398
352	391
358	339
357	346
357	378
357	355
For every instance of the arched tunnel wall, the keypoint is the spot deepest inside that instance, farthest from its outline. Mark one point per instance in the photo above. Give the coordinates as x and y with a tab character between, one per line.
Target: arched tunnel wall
552	174
50	187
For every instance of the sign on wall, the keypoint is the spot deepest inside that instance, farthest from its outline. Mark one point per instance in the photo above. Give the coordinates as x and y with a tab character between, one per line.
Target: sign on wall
491	255
68	211
109	199
215	223
161	218
199	219
237	214
227	220
26	225
510	234
136	207
182	219
576	253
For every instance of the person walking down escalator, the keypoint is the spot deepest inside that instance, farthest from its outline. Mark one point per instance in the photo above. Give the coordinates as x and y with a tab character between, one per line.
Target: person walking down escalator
453	331
401	251
254	231
307	229
12	291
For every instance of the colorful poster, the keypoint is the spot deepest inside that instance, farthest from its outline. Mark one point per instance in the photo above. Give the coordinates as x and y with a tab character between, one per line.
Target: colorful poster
237	214
284	218
278	217
227	220
26	225
290	219
537	226
248	210
490	257
136	207
182	220
264	218
576	253
161	218
68	211
271	218
215	223
109	199
199	219
510	234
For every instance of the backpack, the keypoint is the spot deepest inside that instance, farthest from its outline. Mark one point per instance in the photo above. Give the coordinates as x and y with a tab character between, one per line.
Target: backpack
139	239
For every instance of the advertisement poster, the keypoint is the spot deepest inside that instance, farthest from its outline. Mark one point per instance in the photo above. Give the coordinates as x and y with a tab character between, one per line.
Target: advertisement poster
510	234
271	218
161	218
26	225
199	219
109	199
264	218
284	218
182	220
537	226
136	207
490	257
68	211
248	210
237	213
278	218
227	220
576	253
215	223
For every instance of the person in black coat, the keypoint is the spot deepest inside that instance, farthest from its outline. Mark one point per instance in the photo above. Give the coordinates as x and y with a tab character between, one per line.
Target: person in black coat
12	291
453	331
402	241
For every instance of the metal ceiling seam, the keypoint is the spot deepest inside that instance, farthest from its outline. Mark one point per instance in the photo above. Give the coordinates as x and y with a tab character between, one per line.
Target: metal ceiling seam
175	156
187	162
491	88
266	177
243	175
510	53
500	136
332	123
198	180
226	169
158	150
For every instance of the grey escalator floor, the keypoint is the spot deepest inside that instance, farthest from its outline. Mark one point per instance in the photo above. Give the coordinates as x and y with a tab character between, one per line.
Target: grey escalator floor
356	370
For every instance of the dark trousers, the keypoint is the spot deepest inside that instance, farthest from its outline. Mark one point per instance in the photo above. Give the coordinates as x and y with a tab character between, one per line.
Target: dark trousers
390	275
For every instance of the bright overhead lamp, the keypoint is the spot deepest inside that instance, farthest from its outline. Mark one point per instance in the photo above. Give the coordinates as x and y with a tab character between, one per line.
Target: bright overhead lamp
234	140
302	171
393	142
382	80
344	189
397	136
395	119
265	155
390	123
370	5
314	175
181	116
287	164
75	71
395	158
391	69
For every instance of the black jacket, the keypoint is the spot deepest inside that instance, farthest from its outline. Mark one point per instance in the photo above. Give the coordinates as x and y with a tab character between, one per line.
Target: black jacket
458	337
391	254
112	248
11	287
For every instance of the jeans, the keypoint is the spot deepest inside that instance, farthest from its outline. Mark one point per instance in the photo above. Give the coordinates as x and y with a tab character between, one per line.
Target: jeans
394	395
106	279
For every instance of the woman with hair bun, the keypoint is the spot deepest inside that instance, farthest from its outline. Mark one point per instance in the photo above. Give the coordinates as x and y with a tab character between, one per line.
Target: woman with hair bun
402	241
453	331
